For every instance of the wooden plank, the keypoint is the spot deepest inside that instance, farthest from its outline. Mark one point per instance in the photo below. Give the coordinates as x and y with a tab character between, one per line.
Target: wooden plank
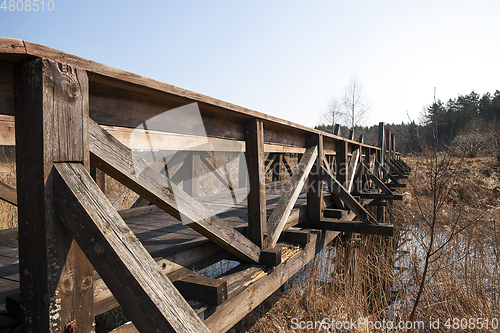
380	184
296	236
277	168
6	92
8	193
51	103
353	227
257	219
202	289
119	258
352	169
270	256
282	211
120	163
259	283
216	171
335	186
379	196
314	182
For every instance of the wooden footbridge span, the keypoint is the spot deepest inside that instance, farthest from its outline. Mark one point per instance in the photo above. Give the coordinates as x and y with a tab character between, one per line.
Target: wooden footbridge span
74	256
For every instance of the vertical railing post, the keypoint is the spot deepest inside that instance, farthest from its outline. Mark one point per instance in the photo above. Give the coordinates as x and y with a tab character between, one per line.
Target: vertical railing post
381	143
52	107
393	146
257	220
388	148
191	168
314	182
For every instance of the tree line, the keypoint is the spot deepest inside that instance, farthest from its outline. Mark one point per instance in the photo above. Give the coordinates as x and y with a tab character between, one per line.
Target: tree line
472	118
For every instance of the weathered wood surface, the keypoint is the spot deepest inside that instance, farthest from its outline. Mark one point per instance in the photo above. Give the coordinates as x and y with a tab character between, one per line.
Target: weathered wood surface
257	219
52	107
252	284
202	289
118	256
337	188
8	193
280	215
119	162
314	181
353	227
120	98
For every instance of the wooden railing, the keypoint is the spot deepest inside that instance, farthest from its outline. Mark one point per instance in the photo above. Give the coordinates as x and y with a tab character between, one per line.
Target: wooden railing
70	113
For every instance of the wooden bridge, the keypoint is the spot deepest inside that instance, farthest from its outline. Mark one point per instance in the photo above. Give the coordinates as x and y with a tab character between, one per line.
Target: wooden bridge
74	256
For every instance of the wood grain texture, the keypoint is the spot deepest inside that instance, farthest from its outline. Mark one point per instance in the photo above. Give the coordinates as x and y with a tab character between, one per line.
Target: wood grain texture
8	193
314	181
111	111
257	283
353	227
119	162
282	211
379	183
139	285
257	219
335	186
59	272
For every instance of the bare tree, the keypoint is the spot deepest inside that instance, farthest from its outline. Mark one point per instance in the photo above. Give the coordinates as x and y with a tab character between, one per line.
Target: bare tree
355	103
333	113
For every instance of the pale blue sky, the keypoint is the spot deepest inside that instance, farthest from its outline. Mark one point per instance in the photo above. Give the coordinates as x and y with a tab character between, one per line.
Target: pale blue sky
285	58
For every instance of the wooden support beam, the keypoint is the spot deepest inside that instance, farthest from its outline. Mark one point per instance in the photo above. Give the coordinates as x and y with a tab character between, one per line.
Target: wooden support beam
8	193
353	227
378	196
191	168
277	168
224	179
314	182
350	202
380	184
269	162
99	177
381	144
242	171
336	130
202	289
385	172
120	163
283	208
255	284
287	165
352	169
52	109
257	219
399	173
335	213
270	256
302	237
118	256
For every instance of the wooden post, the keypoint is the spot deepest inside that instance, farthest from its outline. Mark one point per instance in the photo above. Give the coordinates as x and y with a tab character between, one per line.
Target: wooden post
341	159
99	177
381	144
277	168
191	167
52	107
243	171
393	146
314	182
388	147
257	220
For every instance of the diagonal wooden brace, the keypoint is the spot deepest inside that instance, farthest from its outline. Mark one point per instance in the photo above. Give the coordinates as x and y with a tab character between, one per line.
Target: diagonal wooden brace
120	163
350	202
380	184
282	211
137	282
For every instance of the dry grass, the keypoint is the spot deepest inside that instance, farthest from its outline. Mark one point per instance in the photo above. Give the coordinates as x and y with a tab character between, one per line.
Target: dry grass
380	281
